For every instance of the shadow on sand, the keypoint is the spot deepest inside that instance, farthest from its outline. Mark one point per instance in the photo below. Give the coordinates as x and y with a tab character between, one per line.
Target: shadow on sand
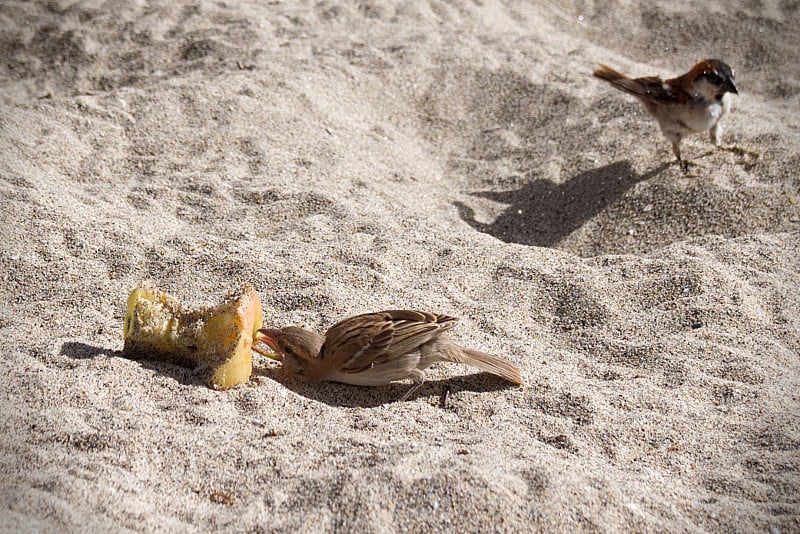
183	375
543	213
345	395
330	393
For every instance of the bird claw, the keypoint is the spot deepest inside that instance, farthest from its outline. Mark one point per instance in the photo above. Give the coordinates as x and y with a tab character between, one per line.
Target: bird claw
736	149
687	165
750	157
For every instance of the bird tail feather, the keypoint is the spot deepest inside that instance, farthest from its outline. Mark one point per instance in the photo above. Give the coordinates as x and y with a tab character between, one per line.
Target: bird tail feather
604	72
486	362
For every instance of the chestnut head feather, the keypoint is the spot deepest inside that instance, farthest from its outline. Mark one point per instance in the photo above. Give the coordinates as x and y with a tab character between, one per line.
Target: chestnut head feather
715	73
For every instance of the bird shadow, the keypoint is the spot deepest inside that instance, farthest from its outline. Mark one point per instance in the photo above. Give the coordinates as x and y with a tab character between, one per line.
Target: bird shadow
349	396
543	213
331	393
186	375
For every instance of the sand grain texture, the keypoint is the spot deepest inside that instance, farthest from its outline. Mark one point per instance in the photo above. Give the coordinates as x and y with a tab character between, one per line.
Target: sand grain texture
346	157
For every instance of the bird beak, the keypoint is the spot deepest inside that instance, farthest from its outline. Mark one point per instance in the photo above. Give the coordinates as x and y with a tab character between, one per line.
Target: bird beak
730	86
267	337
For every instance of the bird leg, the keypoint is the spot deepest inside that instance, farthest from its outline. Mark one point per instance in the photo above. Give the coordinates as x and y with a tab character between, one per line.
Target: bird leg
418	377
443	398
676	150
714	133
685	165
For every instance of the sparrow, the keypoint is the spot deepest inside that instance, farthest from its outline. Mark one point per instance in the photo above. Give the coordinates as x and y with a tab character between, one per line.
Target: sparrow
693	102
374	349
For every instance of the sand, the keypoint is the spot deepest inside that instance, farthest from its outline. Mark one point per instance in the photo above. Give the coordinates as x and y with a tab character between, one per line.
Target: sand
346	157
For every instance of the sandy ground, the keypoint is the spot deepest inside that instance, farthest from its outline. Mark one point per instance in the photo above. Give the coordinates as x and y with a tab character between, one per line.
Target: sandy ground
449	156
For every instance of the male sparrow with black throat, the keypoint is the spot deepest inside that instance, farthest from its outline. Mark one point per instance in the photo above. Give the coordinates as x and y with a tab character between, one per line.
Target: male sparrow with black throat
694	102
374	349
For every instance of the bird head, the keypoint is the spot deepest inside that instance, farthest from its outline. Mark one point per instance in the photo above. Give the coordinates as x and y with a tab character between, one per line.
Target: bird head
712	78
295	346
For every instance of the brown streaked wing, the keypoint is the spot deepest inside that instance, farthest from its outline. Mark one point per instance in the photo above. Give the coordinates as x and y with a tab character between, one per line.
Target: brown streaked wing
665	91
353	344
649	87
415	328
445	322
356	343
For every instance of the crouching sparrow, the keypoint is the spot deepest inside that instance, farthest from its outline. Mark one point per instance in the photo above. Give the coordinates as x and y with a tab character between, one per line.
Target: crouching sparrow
694	102
375	349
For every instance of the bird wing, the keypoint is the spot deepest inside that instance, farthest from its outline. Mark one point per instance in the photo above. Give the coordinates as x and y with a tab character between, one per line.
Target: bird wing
650	88
357	343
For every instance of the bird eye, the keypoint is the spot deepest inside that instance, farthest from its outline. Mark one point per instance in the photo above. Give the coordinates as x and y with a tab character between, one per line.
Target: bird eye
714	78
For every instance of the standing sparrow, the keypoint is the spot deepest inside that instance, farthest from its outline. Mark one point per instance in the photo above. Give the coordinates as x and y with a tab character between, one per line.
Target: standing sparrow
375	349
693	102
